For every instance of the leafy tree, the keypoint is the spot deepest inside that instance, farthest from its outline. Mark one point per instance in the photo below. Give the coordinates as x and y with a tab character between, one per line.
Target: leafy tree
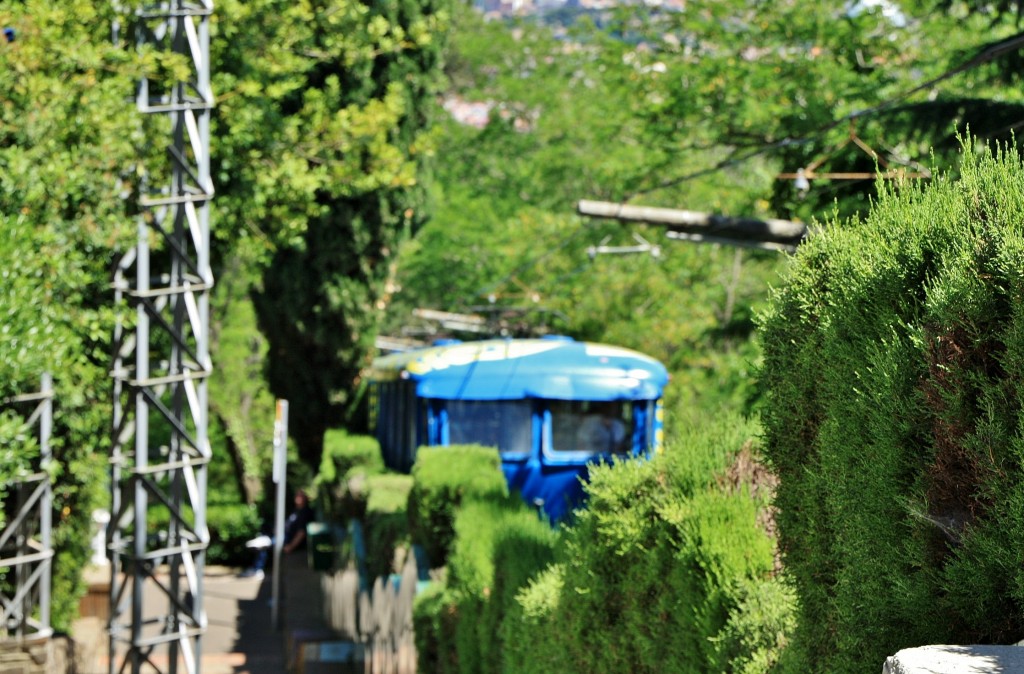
892	416
324	153
792	83
63	148
240	400
567	121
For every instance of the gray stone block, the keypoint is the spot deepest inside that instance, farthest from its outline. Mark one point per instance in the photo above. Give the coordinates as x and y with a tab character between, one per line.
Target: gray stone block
943	659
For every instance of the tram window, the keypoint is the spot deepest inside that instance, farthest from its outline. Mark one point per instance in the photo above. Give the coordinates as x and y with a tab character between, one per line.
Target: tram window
504	424
595	427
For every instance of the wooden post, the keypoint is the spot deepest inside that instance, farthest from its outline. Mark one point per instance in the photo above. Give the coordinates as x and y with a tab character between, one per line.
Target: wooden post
771	234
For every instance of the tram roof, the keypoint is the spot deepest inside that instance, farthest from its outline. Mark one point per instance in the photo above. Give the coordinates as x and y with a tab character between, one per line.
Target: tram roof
558	368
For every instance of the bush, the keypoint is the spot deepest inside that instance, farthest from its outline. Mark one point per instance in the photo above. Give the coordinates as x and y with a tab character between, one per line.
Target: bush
667	569
434	616
649	571
444	477
386	522
894	356
758	629
347	461
530	632
498	547
231	525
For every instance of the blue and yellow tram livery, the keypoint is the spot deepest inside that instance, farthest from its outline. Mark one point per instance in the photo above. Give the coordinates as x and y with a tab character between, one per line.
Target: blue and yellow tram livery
551	406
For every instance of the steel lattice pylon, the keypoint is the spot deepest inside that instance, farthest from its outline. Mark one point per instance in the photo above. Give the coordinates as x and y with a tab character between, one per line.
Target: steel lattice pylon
26	550
157	535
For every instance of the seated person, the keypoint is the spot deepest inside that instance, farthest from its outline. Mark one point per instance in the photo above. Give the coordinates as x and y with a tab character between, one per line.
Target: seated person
294	536
602	431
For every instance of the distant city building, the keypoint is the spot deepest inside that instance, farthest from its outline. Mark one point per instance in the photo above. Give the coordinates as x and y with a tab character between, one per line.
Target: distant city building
470	113
502	8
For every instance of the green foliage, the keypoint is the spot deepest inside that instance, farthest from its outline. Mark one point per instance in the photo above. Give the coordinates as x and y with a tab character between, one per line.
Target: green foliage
443	479
231	525
19	450
661	570
504	241
344	452
322	164
667	569
63	155
649	570
434	618
499	545
756	632
747	79
386	521
461	512
892	417
239	397
534	622
346	463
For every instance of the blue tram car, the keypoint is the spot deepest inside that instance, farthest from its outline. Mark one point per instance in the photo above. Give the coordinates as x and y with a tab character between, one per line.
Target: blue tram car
551	406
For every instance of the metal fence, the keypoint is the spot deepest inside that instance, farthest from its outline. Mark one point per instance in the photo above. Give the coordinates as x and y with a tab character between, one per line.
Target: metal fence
26	547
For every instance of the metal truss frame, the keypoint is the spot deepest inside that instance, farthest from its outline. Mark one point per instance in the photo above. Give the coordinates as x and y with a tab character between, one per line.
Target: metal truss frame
158	536
26	546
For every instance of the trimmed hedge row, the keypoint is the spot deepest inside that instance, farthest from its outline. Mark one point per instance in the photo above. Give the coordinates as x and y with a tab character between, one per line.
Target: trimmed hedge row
386	522
444	477
653	571
666	569
894	379
345	464
498	546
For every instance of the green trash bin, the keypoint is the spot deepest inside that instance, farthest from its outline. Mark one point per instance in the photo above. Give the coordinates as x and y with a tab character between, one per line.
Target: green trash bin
319	546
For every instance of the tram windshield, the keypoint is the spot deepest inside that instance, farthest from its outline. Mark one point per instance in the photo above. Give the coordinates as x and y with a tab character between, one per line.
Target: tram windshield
595	427
505	424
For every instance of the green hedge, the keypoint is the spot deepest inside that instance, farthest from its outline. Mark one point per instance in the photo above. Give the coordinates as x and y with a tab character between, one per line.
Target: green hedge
386	521
650	569
434	621
498	546
667	569
230	525
529	631
443	477
894	361
345	464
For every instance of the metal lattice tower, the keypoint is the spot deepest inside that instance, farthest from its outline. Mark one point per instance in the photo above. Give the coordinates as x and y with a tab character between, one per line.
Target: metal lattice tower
26	548
158	534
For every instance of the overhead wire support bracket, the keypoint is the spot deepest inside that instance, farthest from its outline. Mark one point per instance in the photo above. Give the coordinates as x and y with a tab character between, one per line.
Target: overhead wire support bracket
642	246
810	172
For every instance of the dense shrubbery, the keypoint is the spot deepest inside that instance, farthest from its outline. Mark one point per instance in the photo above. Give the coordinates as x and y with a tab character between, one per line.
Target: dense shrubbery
230	524
230	527
666	569
386	523
443	478
346	463
652	571
499	544
498	547
893	370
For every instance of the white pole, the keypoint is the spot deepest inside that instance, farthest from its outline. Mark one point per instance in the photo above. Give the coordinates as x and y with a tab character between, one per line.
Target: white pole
280	478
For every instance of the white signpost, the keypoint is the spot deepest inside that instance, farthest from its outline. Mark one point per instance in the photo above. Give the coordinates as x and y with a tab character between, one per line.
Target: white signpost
280	478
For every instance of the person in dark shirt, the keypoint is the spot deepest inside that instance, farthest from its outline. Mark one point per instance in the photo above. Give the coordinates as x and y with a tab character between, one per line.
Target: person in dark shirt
294	536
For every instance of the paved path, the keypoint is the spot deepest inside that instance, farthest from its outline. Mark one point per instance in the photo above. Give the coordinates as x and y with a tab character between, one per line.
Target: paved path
240	637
